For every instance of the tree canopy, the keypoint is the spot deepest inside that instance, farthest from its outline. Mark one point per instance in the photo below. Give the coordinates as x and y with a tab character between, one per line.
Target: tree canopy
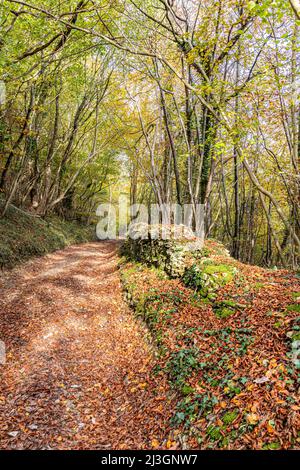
169	101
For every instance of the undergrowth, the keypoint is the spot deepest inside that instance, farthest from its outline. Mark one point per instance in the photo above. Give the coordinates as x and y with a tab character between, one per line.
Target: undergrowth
24	236
231	366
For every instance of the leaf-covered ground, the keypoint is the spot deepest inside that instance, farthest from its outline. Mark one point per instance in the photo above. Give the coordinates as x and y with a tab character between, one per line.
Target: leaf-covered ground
78	371
82	373
235	367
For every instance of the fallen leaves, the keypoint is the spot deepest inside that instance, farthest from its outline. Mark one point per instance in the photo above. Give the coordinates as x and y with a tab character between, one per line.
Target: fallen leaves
75	354
270	428
261	380
252	418
155	444
236	383
81	373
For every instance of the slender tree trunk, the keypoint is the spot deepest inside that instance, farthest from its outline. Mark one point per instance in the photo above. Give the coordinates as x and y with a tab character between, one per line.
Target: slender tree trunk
236	182
18	142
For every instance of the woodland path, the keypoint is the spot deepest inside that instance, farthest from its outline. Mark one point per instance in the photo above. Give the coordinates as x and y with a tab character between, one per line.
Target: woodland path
77	374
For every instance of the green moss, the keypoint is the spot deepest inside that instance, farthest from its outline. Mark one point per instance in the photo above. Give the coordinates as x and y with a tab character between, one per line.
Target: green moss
230	417
208	278
258	285
272	446
296	295
224	272
224	312
293	308
230	303
187	389
214	433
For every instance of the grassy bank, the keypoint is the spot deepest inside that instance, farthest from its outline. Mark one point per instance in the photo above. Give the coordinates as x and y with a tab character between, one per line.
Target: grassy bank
23	236
230	354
